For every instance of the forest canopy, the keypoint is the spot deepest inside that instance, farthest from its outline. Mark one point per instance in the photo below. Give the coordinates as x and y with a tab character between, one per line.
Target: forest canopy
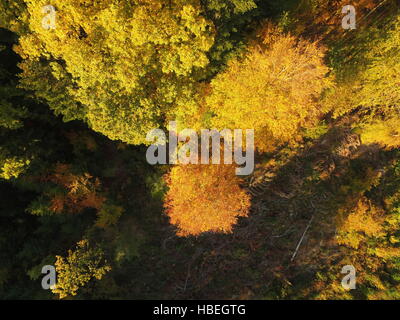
83	82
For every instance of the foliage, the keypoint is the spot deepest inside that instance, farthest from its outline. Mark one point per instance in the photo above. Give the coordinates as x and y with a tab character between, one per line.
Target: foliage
368	76
213	194
78	268
384	132
117	65
12	168
77	101
287	76
108	215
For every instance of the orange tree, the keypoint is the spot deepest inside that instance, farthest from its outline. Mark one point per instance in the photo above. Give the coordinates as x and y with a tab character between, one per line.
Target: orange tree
205	198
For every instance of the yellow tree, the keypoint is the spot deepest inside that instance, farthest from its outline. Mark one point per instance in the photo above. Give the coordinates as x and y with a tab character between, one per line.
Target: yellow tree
371	233
205	198
121	66
78	268
274	89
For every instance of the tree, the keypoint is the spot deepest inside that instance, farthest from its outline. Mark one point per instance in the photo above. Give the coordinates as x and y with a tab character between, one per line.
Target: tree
205	198
78	268
274	89
65	191
370	87
9	10
368	75
121	66
372	233
233	20
368	239
365	221
12	167
13	111
108	215
380	80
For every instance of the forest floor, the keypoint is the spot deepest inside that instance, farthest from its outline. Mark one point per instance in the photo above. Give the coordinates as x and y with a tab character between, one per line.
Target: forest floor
288	237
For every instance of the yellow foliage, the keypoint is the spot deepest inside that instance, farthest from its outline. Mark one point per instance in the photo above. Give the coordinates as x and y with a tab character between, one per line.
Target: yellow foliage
364	221
274	89
119	65
13	167
373	83
387	252
375	281
385	132
78	268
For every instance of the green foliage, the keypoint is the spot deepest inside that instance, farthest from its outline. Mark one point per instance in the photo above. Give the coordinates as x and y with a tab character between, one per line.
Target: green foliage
316	132
10	117
9	10
108	215
231	19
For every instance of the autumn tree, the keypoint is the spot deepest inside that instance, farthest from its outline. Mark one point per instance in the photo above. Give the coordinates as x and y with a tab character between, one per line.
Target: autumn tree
368	85
67	192
364	221
205	198
368	76
380	79
274	89
78	268
121	66
367	238
372	234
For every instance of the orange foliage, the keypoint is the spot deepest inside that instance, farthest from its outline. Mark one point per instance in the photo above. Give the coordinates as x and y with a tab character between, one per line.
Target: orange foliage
57	204
205	198
324	17
81	191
